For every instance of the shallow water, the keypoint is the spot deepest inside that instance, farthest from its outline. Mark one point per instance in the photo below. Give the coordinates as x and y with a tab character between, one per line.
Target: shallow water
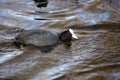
94	56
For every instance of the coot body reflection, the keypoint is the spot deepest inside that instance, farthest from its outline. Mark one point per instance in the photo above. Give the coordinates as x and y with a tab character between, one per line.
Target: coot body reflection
41	3
43	38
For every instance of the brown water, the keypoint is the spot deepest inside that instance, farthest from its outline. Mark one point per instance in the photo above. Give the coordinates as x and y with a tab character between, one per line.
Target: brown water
94	56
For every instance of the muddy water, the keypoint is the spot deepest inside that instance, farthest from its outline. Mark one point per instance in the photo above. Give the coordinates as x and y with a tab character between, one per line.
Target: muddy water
94	56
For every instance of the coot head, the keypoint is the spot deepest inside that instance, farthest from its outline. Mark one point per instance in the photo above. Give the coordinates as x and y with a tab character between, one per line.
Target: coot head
67	36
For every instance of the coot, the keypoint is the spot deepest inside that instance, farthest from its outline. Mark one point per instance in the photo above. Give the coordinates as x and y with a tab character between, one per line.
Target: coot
43	38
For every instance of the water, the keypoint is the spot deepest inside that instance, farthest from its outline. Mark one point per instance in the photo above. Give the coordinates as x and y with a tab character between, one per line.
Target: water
94	56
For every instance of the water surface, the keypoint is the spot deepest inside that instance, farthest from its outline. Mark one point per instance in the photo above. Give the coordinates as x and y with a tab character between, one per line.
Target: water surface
94	56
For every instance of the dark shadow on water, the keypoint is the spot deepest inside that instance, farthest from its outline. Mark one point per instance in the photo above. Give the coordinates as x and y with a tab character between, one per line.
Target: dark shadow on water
47	49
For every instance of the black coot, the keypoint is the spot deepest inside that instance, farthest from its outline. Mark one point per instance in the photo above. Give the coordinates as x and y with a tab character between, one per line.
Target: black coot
43	38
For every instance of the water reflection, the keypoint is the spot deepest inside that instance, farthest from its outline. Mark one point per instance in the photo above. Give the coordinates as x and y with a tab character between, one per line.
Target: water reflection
9	55
94	56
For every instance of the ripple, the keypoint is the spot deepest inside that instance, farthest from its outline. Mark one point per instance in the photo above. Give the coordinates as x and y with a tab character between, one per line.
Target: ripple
9	55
